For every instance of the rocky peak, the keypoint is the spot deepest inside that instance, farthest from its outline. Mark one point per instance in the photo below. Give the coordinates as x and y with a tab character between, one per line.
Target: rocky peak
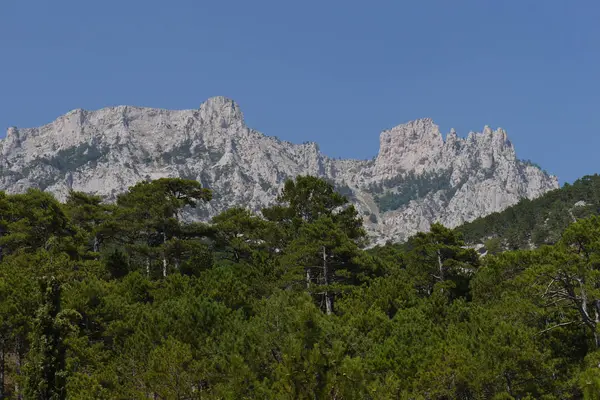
417	177
409	147
221	111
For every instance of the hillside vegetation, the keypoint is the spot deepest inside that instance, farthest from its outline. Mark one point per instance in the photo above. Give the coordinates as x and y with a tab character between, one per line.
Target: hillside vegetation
130	301
532	223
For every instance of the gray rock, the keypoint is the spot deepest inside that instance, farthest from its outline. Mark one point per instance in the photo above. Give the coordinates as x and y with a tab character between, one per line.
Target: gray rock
416	179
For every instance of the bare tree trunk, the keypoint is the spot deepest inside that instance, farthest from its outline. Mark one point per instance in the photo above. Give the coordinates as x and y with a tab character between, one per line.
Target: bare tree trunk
583	299
593	324
441	276
96	244
582	305
164	254
328	299
572	216
307	277
596	322
440	266
148	267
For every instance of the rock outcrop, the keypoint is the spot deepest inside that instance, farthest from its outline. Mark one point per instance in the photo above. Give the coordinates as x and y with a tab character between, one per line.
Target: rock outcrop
417	177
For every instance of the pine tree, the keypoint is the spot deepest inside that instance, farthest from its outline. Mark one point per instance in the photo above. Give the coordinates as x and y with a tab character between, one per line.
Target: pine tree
150	214
92	217
327	258
439	256
308	198
46	373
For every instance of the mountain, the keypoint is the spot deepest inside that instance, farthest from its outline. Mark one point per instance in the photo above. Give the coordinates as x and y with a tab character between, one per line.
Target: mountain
416	178
532	223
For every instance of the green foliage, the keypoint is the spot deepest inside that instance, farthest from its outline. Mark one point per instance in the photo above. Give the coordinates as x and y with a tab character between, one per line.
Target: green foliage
150	214
324	260
31	221
398	192
540	221
93	218
493	245
306	199
45	372
440	258
172	371
287	304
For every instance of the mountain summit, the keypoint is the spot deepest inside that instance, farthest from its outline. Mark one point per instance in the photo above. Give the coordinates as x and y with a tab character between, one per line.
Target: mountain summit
417	177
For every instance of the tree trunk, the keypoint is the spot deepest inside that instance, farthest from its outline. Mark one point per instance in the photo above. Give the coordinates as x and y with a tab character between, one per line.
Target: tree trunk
307	277
148	267
596	338
164	254
96	244
440	266
328	299
596	322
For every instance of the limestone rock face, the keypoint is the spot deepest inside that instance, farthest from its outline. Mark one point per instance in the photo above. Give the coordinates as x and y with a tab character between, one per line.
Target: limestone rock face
413	146
416	179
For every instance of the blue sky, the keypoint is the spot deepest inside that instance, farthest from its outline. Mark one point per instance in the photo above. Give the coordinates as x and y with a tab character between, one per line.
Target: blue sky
334	72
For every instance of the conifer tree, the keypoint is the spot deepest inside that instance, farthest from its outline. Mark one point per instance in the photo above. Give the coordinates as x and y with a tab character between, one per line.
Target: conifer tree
152	213
46	373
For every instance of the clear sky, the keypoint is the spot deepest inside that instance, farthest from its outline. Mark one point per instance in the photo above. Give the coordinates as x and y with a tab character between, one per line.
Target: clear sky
334	72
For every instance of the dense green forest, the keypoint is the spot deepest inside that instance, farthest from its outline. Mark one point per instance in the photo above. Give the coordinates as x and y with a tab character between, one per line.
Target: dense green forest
532	223
132	301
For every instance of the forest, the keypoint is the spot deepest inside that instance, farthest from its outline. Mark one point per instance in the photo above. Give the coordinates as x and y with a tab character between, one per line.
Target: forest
532	223
135	300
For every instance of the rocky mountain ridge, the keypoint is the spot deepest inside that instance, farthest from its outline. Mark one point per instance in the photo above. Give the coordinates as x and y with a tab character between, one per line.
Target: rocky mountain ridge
417	177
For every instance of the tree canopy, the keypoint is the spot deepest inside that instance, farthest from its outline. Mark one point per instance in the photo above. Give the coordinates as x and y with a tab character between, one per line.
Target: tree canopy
135	300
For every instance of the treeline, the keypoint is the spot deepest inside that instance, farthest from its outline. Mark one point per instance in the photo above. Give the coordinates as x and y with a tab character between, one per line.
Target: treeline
132	301
532	223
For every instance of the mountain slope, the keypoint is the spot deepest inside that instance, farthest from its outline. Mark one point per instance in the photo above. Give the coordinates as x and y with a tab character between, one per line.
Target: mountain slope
416	178
532	223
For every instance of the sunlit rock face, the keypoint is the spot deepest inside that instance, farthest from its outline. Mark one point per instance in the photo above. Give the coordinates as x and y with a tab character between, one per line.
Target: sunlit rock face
416	179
